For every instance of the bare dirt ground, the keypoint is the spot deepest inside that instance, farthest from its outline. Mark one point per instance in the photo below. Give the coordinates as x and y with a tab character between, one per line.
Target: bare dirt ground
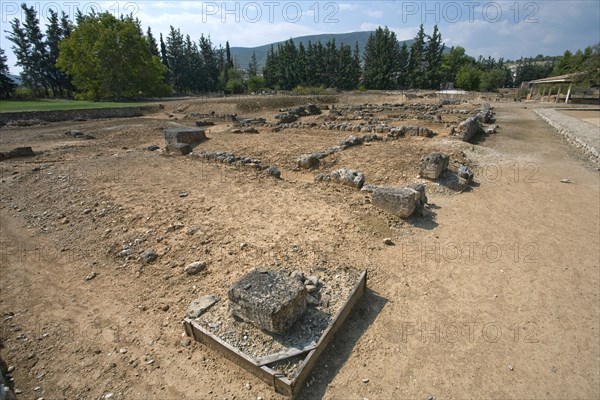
494	296
591	116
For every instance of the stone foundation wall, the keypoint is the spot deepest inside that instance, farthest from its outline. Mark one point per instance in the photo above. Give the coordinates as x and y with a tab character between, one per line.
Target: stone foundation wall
67	115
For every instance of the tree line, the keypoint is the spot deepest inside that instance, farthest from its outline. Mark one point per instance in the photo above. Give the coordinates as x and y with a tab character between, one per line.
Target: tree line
101	56
37	53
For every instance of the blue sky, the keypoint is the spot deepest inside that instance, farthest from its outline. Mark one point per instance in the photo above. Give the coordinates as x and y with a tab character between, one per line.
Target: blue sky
508	29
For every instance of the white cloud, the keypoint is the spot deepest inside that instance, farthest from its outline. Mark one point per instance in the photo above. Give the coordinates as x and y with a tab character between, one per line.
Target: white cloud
347	7
375	13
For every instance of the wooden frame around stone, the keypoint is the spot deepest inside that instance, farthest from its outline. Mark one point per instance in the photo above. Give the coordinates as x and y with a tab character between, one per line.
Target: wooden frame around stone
260	367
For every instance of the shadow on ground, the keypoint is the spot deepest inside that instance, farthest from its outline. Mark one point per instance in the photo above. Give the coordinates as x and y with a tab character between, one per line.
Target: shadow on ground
340	348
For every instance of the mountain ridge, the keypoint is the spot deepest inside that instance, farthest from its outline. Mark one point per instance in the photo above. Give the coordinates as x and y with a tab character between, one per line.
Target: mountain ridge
242	55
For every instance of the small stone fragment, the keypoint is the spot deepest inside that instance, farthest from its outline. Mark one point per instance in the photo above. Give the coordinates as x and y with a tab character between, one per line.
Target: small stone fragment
90	276
465	172
388	242
201	305
313	280
297	274
195	267
311	300
149	256
311	288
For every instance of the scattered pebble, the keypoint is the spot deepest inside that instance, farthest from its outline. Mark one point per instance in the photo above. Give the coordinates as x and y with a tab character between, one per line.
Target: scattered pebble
122	350
90	276
510	367
311	288
149	255
565	180
10	369
248	386
388	242
195	267
313	280
365	380
183	194
165	307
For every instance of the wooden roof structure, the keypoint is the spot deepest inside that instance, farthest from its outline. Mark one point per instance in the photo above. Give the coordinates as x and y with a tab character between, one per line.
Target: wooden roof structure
553	80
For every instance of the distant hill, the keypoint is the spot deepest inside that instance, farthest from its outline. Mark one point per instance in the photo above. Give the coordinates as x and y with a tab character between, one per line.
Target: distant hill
242	55
16	79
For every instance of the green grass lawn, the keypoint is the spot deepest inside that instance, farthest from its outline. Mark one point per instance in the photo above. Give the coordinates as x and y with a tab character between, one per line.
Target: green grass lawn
45	105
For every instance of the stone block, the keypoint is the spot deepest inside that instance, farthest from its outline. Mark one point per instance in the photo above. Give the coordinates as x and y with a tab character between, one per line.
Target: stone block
18	152
270	300
348	177
180	149
432	165
395	200
184	135
308	161
468	128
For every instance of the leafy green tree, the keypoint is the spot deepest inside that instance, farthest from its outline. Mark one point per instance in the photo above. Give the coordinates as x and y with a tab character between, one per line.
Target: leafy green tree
347	72
255	83
152	45
210	62
492	79
356	62
235	86
7	86
176	60
382	52
270	68
403	64
57	30
253	65
28	47
37	53
468	77
528	70
193	66
418	63
433	60
301	65
589	69
110	58
452	62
